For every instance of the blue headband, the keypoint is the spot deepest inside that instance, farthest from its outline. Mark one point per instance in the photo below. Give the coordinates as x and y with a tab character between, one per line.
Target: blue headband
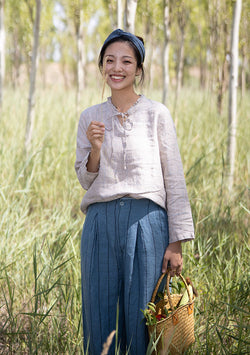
127	35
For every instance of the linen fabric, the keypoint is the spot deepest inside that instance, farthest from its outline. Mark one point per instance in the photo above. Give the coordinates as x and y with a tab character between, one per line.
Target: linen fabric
122	247
139	159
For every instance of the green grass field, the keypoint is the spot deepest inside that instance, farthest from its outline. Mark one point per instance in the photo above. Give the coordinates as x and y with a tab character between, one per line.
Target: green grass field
40	224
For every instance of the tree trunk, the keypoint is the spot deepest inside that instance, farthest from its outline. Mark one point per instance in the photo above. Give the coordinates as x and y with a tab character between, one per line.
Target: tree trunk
243	71
165	64
223	68
112	13
233	83
80	58
130	12
43	67
34	64
2	51
182	17
179	74
16	59
149	59
222	81
119	14
214	33
201	60
180	62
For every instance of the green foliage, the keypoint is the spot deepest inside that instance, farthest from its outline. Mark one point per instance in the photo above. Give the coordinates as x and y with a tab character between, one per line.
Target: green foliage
207	35
149	314
40	224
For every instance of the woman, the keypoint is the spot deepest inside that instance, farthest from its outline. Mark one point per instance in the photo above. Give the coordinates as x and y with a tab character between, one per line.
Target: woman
136	203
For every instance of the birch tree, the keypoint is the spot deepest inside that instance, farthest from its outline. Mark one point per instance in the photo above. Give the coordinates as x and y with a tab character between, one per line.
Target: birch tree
244	46
34	64
165	64
119	13
113	11
130	12
218	15
182	18
2	50
81	60
77	13
233	83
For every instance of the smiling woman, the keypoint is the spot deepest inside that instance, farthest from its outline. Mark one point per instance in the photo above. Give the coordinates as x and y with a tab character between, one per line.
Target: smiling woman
135	43
121	69
136	203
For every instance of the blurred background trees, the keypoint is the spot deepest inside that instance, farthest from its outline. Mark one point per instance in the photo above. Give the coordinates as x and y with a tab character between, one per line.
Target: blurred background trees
72	32
189	54
187	43
2	50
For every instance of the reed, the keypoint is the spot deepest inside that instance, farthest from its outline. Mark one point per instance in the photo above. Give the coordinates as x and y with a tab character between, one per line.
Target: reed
40	225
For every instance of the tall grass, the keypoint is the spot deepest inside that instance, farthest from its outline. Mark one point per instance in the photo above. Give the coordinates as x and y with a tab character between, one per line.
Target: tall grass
40	225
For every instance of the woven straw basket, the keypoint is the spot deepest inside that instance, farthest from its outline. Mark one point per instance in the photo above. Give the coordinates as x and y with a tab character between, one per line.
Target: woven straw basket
176	332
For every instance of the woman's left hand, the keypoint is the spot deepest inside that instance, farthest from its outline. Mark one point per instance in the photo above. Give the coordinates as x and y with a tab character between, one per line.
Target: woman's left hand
173	257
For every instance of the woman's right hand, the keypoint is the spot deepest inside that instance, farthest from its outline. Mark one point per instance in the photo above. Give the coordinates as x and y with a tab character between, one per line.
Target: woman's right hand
95	134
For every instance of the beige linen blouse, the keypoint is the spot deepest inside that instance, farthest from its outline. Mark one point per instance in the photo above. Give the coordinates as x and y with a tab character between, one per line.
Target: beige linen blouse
139	159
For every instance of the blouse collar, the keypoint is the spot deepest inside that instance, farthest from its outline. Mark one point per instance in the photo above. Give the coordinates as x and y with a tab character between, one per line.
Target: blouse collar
129	111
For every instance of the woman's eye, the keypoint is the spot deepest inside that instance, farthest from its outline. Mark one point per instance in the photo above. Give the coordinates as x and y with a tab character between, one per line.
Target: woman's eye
127	62
109	61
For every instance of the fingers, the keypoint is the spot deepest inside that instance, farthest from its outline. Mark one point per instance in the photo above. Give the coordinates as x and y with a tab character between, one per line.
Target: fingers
175	270
96	129
176	266
95	133
172	260
166	264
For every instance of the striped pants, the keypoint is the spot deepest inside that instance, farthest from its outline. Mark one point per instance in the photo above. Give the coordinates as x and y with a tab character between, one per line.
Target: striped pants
122	248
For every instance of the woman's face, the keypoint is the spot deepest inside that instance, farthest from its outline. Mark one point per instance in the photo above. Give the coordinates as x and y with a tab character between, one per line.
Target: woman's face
120	66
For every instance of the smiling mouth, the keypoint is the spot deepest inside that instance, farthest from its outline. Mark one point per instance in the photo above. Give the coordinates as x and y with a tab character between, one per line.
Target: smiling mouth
117	77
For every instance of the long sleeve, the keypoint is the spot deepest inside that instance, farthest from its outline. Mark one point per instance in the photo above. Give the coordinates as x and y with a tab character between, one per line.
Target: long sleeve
177	202
83	148
141	162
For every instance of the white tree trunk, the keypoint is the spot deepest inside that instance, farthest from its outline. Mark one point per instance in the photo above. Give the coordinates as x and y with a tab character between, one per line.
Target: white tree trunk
182	18
165	63
243	71
34	64
179	75
112	13
2	50
130	13
80	59
233	84
180	63
119	13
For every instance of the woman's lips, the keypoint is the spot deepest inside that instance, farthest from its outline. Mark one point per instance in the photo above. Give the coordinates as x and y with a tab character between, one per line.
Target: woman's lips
117	77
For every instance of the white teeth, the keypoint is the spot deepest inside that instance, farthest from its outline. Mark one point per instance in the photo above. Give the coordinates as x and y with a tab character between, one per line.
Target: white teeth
116	77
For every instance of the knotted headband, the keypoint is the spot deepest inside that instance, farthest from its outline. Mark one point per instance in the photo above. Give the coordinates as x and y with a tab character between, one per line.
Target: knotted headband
131	37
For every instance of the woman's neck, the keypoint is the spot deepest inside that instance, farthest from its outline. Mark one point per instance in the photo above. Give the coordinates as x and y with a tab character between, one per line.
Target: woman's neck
123	101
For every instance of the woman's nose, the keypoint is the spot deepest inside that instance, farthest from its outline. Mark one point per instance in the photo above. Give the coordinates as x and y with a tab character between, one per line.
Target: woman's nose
117	65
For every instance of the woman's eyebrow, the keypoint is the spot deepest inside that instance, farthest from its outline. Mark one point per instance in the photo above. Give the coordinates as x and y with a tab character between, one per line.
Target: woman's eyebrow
125	56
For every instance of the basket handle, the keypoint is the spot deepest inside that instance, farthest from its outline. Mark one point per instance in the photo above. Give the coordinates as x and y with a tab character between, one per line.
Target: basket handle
167	288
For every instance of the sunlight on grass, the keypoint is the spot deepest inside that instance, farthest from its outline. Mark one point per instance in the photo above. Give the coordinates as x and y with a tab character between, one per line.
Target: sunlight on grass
40	298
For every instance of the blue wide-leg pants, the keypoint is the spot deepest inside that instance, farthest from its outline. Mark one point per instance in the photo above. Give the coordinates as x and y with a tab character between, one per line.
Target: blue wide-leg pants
122	248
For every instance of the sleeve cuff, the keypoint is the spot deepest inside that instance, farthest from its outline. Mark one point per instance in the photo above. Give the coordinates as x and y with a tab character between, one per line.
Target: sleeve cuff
86	177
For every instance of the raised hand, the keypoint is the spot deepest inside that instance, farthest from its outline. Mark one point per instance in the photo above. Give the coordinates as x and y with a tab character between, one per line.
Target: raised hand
95	134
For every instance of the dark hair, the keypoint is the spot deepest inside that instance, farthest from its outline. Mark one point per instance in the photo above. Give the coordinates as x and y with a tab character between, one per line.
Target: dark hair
136	52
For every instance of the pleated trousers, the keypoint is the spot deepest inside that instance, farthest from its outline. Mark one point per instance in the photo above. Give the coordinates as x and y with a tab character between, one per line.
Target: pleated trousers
122	248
